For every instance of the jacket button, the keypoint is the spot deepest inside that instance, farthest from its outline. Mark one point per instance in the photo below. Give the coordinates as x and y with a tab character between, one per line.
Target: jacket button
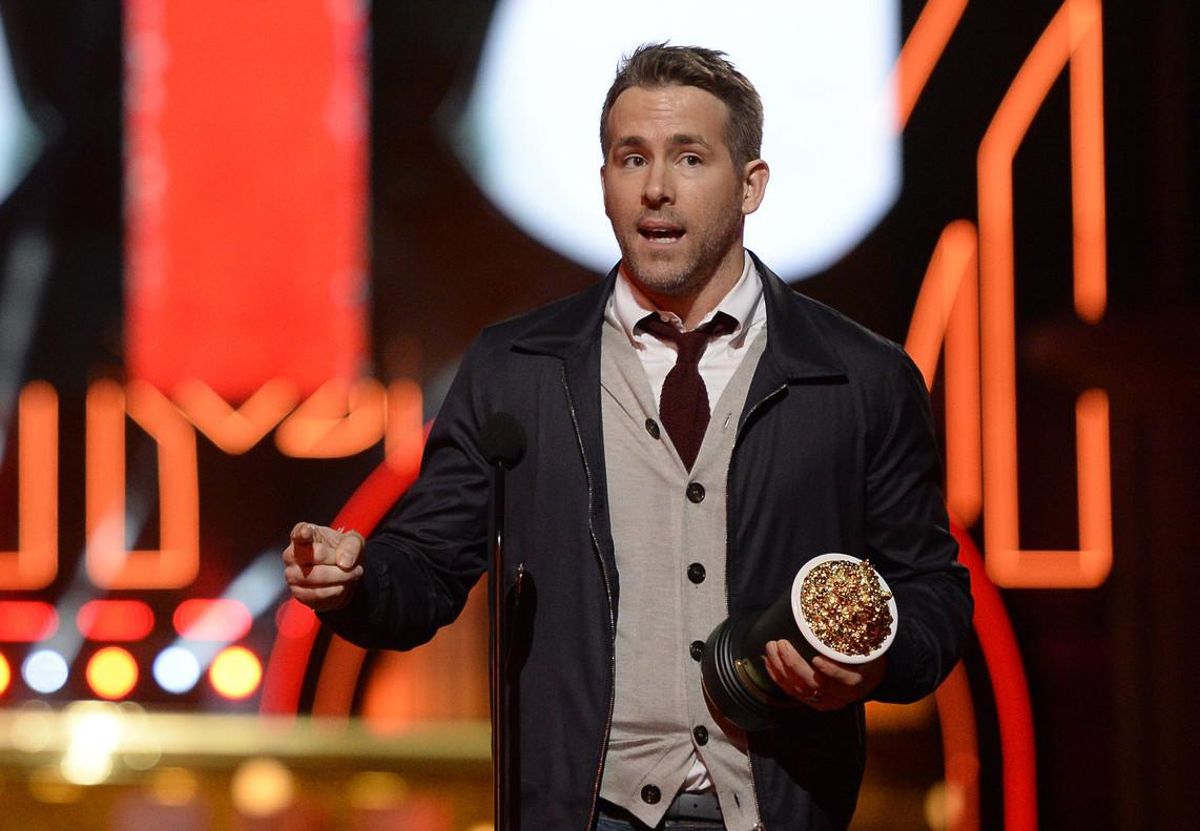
695	492
696	650
701	734
651	795
652	428
696	573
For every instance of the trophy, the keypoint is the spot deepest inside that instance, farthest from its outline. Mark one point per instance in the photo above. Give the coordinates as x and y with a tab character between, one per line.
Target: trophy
838	606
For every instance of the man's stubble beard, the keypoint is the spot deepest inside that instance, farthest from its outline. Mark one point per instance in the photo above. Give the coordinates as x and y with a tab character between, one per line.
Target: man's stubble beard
691	276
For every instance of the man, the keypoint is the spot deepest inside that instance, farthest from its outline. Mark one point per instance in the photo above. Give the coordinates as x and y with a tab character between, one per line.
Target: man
697	432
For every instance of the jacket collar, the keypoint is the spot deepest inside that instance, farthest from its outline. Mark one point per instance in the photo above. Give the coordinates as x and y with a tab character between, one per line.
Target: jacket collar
795	342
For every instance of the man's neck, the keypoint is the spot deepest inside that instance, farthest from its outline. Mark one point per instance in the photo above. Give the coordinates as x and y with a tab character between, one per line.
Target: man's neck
693	307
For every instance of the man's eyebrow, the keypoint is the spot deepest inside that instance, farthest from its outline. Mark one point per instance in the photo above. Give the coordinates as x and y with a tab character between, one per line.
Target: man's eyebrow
677	140
681	139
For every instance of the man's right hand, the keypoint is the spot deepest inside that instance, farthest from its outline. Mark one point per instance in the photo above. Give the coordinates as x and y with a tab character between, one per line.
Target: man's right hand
322	566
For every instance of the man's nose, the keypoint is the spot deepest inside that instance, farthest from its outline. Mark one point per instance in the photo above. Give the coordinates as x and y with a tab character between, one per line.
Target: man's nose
658	190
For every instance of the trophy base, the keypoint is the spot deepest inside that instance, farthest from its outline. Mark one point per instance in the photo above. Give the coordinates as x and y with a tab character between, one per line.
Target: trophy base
738	685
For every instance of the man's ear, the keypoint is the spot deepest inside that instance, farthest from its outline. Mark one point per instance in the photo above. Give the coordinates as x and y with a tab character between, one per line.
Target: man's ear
604	191
754	185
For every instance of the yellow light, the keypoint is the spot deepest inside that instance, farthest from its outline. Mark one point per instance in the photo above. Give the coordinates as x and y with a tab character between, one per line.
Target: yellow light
5	675
235	672
374	790
262	787
173	786
112	673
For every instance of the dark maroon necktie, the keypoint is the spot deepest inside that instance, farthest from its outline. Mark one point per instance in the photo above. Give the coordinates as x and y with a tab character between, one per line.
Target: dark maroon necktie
683	407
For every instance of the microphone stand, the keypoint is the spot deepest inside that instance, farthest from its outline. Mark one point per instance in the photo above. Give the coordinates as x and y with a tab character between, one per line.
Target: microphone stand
502	444
501	741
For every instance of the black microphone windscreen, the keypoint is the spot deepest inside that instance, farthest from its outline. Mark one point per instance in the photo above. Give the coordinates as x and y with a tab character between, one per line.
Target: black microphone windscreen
502	441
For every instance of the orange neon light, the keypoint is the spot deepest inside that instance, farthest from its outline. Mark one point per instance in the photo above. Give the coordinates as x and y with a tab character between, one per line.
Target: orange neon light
1075	27
235	430
212	619
176	563
921	51
115	620
27	621
947	312
5	675
112	673
235	672
337	420
1086	74
339	676
960	750
1010	690
34	564
405	424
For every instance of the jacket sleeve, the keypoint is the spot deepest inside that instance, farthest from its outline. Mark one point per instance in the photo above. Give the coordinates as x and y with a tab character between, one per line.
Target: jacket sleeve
908	539
423	560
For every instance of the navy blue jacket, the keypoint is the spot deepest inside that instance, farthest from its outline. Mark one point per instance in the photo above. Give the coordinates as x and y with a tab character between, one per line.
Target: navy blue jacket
835	451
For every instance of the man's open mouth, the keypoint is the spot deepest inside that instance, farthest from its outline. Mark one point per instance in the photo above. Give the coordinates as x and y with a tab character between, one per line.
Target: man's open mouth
660	234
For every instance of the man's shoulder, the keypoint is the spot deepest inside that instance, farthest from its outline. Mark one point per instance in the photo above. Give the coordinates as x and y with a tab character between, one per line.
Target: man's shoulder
854	344
554	327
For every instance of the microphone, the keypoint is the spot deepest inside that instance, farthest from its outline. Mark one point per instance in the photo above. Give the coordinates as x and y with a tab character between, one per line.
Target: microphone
502	441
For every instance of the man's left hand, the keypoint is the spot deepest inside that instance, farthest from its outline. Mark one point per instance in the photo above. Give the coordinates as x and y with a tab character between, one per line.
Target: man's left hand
823	684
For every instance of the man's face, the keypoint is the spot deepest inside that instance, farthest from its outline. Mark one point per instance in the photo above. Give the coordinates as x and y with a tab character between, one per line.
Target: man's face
676	199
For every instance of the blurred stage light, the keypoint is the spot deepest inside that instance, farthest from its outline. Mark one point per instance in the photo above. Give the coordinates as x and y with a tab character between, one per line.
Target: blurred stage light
27	621
33	727
173	786
212	619
5	675
176	669
529	132
262	787
95	733
112	673
45	671
375	790
235	672
115	620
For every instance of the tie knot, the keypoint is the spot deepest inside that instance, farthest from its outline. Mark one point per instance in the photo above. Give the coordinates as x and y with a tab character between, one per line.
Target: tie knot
691	344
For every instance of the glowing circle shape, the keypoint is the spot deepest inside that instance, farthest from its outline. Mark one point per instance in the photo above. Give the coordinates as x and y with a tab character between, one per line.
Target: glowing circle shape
112	673
45	671
5	675
529	132
176	669
235	673
262	787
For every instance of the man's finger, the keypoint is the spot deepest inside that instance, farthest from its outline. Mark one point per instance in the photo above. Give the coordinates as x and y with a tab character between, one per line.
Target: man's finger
796	665
314	576
348	550
837	672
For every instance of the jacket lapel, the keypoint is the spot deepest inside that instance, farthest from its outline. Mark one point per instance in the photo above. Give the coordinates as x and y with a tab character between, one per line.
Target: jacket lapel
797	349
571	333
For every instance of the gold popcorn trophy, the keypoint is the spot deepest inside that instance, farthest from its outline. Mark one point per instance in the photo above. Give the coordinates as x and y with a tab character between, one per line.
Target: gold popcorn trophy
838	606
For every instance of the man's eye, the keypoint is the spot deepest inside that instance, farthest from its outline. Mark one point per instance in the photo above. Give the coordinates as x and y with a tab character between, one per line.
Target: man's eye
633	161
692	160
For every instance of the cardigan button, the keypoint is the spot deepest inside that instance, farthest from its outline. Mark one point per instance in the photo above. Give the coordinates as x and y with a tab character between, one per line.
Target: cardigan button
696	573
695	492
651	795
701	734
697	650
652	428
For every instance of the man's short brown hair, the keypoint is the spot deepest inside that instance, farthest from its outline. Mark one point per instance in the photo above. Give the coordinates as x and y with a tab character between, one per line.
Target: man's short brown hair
658	65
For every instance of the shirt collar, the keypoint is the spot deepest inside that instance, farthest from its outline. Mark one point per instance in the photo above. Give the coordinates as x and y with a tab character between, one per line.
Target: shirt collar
629	304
